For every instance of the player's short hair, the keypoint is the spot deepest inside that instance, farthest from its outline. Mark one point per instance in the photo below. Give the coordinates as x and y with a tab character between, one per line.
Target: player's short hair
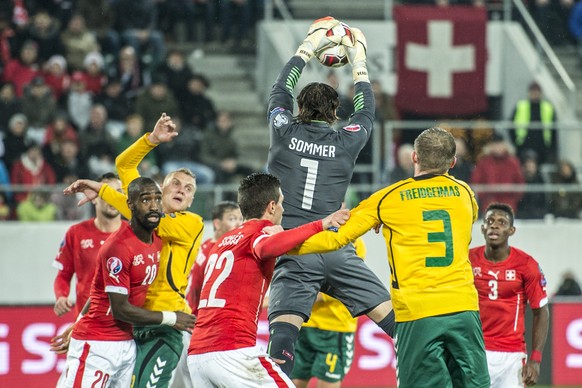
255	192
108	176
502	207
318	101
183	170
222	207
137	185
435	149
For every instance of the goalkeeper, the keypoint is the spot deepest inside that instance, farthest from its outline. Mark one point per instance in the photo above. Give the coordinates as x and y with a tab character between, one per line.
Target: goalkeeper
315	164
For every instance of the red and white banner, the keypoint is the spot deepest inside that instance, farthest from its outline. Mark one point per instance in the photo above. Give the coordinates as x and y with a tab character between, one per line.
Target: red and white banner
566	343
26	360
441	56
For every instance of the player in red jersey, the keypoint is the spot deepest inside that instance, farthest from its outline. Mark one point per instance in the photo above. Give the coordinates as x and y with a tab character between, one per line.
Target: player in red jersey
226	216
102	349
78	251
507	279
223	348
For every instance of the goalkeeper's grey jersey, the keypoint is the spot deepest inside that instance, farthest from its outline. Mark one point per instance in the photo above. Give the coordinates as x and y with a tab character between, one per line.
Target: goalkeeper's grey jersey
314	162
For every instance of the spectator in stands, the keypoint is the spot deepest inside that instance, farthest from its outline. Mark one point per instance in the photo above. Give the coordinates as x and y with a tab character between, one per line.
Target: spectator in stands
6	195
45	31
79	102
56	76
22	70
177	72
117	106
498	165
533	205
404	168
207	15
172	13
97	144
9	105
237	14
36	208
567	204
100	18
7	33
569	285
535	110
15	139
78	41
185	152
385	106
220	150
57	132
575	25
154	99
196	107
137	21
68	164
551	16
130	73
39	105
31	169
464	166
134	129
93	72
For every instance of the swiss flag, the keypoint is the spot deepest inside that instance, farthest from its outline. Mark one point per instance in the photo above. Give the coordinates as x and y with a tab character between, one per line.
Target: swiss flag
441	59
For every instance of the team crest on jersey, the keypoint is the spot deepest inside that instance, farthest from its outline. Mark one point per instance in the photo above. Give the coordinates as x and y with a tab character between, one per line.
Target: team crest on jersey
114	266
353	128
87	243
477	271
280	120
510	274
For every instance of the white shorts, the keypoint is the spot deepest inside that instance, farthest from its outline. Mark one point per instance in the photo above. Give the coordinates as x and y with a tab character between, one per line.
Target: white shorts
100	363
181	375
505	369
246	367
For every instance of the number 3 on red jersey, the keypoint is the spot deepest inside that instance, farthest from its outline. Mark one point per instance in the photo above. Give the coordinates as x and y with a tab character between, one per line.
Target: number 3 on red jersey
222	263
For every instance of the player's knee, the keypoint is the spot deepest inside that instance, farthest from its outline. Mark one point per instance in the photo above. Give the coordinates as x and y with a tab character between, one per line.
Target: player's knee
282	344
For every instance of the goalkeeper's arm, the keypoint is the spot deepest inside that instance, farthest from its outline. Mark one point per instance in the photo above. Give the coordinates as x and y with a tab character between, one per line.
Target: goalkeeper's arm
357	57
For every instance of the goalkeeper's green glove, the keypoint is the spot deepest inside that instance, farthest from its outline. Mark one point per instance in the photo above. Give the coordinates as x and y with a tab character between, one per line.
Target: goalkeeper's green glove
357	56
316	40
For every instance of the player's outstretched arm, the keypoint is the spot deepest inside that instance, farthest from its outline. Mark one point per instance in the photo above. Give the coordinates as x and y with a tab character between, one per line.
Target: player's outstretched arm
86	186
357	57
126	312
164	130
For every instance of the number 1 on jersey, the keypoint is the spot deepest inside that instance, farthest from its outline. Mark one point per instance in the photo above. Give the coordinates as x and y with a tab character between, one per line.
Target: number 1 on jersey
310	179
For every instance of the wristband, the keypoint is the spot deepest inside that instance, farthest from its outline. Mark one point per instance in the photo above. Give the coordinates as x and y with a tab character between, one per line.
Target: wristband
169	318
536	356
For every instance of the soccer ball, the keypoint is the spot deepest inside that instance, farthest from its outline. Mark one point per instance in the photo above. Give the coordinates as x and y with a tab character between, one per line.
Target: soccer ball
336	56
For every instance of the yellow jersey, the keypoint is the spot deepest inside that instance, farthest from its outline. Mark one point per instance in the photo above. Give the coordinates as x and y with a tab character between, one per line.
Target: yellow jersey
427	224
181	233
331	314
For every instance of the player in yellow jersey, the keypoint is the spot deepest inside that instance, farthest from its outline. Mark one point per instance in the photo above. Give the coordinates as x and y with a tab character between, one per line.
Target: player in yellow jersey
325	346
427	223
160	351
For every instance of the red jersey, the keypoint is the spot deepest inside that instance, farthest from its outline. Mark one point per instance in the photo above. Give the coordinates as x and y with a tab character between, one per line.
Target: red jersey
238	273
504	289
78	255
197	275
126	265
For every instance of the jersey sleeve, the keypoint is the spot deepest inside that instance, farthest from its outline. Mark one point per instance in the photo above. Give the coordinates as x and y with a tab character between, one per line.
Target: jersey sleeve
362	219
116	199
66	266
127	162
535	285
267	247
116	264
282	97
181	226
359	128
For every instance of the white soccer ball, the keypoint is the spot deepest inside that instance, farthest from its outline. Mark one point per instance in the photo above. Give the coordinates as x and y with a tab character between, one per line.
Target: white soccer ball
336	56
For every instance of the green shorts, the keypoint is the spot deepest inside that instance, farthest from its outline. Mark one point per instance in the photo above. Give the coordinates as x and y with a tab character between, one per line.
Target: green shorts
326	355
442	351
158	352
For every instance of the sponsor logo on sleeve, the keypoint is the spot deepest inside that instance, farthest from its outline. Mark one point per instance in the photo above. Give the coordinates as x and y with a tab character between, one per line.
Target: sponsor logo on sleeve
353	128
114	267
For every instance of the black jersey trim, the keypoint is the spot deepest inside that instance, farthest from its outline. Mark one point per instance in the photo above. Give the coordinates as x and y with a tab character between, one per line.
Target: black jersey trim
191	248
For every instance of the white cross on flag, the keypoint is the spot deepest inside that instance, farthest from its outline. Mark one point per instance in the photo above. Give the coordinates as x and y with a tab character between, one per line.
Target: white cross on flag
441	59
